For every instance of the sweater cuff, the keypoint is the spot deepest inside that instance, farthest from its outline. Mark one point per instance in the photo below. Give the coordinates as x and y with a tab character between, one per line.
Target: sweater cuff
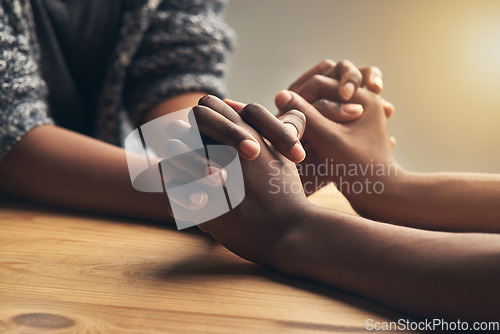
15	124
163	88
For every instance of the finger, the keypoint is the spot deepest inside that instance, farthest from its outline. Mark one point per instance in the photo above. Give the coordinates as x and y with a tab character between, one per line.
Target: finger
324	130
179	130
393	141
322	67
192	163
170	173
319	87
237	106
295	118
187	196
222	108
322	87
350	78
219	128
389	108
340	113
283	136
372	78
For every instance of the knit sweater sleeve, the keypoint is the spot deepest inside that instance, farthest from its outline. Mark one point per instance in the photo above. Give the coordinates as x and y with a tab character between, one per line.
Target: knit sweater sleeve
185	49
22	89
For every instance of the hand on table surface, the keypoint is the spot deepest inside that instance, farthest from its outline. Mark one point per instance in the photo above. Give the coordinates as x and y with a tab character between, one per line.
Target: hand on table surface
274	198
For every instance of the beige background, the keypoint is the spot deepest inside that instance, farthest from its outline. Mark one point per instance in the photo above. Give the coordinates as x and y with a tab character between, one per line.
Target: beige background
440	59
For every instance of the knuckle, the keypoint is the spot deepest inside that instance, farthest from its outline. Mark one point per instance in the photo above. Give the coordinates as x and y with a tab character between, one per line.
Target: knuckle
174	144
345	63
316	78
251	110
376	70
206	99
315	82
255	107
354	74
327	62
327	65
197	109
320	104
175	127
196	112
314	89
171	128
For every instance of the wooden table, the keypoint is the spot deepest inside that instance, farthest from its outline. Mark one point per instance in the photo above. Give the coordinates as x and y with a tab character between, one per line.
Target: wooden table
67	272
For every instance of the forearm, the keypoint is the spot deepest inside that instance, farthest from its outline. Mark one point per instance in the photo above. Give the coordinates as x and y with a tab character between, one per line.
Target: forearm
59	167
440	201
425	273
179	102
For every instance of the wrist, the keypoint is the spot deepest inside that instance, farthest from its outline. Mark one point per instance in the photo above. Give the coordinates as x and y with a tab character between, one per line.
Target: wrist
385	193
290	246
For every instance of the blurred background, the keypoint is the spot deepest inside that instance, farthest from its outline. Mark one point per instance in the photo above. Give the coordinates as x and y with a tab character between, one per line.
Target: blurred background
440	60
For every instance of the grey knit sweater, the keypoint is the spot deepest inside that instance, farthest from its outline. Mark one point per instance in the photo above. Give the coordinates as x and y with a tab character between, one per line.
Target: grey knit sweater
164	48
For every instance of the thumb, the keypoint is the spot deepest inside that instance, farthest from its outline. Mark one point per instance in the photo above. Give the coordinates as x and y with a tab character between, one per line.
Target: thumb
316	123
287	100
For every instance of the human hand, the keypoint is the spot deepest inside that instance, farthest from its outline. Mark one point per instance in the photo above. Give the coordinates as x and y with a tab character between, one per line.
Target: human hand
274	198
357	156
350	79
181	169
229	133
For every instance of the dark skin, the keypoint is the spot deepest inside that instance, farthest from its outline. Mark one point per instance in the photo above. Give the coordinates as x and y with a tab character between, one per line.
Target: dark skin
285	131
260	200
99	170
436	201
425	273
320	87
328	96
334	143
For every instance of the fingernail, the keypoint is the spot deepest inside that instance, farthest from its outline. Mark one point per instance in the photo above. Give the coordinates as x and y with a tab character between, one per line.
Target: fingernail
283	98
297	152
352	108
378	81
250	148
216	175
198	198
348	90
291	125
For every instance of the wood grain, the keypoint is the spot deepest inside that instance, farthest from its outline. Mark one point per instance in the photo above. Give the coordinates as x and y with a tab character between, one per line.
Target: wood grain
66	272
